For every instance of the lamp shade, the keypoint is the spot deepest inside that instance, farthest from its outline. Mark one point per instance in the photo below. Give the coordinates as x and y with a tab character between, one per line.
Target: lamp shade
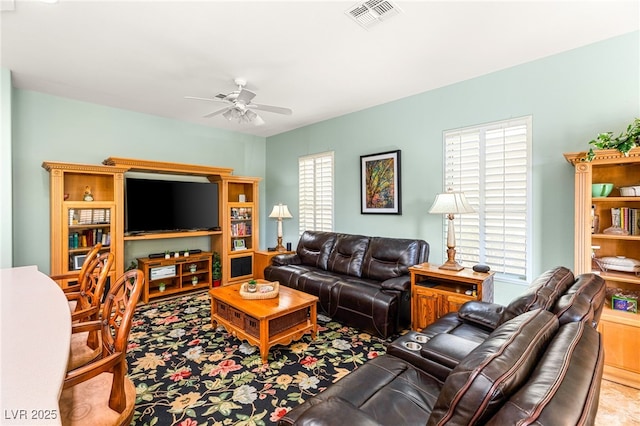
451	203
280	211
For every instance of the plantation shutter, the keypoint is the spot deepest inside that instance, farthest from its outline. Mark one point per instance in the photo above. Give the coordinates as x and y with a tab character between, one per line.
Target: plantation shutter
315	192
491	165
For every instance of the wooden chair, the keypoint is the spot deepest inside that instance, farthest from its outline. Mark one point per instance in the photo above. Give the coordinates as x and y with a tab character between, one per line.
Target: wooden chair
86	307
99	393
85	302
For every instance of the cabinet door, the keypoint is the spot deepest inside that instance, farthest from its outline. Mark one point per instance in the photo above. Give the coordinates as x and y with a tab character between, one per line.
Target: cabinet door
427	308
452	303
621	343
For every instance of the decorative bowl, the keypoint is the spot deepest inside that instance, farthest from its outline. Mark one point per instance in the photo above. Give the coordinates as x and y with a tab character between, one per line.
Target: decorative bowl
601	189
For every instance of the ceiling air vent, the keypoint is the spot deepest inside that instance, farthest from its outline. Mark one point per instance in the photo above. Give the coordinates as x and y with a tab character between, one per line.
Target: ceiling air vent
371	12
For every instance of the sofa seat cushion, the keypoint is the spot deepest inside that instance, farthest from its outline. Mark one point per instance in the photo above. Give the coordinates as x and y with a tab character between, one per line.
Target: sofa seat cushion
565	385
287	275
450	323
386	389
319	283
347	254
542	293
486	378
363	304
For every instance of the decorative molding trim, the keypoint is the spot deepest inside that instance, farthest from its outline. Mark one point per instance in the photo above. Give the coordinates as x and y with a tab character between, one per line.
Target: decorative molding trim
131	164
52	165
603	156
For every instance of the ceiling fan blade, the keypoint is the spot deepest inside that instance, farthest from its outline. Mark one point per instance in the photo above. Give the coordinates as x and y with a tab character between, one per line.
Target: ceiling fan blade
214	113
201	99
269	108
245	96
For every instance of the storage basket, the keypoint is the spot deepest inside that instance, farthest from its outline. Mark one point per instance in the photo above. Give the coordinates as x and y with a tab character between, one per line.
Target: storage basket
285	322
222	309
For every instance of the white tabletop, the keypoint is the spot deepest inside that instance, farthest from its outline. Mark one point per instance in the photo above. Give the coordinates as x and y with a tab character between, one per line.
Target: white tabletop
35	333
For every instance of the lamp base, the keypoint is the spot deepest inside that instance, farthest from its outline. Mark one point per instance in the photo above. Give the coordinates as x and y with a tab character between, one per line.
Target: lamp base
280	247
451	264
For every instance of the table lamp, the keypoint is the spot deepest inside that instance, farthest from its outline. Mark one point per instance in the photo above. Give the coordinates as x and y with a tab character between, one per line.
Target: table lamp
280	212
451	203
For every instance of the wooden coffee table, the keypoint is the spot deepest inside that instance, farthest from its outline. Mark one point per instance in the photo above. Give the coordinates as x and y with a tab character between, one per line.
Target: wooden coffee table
265	322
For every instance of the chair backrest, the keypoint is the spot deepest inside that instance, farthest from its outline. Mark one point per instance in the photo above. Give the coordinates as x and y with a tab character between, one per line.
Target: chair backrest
93	253
542	293
583	301
117	312
93	281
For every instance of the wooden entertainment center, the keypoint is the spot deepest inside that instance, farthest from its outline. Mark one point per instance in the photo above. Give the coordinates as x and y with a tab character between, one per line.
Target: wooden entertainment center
78	220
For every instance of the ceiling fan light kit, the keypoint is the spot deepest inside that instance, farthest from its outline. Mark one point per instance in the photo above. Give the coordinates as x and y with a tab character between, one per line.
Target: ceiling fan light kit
240	108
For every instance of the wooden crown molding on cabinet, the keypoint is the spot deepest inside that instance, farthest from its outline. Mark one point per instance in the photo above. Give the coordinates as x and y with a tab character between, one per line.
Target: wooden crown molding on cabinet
603	156
150	166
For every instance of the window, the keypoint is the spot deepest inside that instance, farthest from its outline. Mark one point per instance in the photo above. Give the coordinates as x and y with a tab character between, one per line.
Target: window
315	192
491	165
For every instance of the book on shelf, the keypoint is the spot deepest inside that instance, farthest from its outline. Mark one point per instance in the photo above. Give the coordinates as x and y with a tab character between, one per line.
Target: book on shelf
627	218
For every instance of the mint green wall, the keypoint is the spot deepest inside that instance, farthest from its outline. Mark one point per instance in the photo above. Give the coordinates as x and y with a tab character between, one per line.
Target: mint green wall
6	242
49	128
571	96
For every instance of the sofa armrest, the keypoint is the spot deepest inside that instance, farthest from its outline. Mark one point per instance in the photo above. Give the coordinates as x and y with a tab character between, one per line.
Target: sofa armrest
447	349
401	283
484	314
286	259
330	412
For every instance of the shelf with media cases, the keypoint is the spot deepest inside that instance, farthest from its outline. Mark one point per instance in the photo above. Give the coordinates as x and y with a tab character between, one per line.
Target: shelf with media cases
164	277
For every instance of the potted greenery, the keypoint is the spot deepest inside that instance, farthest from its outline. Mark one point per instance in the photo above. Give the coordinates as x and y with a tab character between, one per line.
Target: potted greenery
624	142
216	269
252	286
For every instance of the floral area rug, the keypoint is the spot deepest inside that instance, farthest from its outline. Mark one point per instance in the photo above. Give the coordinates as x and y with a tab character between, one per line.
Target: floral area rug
189	373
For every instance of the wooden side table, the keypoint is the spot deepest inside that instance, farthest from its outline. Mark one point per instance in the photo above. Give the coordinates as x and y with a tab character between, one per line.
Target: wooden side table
262	259
436	292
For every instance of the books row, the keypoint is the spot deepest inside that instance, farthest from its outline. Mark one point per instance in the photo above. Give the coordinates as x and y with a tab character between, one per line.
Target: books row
89	238
240	229
626	218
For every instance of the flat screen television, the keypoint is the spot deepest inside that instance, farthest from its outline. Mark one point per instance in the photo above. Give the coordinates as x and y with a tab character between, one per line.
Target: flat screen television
169	206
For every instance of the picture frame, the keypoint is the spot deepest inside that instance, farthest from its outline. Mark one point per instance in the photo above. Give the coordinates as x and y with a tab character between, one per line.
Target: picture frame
380	191
78	261
239	244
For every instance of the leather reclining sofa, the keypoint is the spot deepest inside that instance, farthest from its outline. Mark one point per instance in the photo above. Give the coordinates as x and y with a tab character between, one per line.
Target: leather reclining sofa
360	281
538	360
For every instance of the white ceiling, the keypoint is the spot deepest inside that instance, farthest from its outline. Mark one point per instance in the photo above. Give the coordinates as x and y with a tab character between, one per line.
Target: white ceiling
146	56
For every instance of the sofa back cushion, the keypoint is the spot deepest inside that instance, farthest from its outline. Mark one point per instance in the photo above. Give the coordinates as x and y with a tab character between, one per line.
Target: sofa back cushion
314	248
583	301
481	383
391	257
542	293
347	254
565	385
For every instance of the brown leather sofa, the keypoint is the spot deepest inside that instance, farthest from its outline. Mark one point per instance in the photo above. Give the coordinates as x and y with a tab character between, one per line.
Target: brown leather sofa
538	360
360	281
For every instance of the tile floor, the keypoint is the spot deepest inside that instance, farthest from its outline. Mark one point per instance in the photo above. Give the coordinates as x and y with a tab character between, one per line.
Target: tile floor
619	405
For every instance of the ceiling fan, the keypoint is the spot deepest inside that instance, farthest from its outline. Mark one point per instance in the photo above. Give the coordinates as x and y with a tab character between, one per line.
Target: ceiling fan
240	106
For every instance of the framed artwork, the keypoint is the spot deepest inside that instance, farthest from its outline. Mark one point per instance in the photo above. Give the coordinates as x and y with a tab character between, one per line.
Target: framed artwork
239	245
380	183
